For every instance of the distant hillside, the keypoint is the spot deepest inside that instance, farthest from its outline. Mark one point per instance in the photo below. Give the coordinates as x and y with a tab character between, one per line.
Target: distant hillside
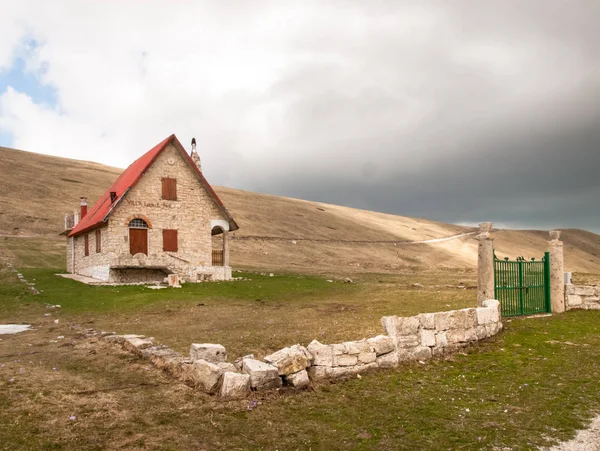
36	190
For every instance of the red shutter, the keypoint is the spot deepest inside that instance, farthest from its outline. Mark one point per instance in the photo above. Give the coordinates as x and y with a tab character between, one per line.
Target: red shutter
86	244
169	240
98	241
169	189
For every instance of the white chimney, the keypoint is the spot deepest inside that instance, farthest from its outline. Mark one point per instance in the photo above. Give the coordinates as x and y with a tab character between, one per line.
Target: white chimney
195	156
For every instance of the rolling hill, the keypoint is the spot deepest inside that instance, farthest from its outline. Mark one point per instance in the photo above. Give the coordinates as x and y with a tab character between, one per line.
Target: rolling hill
276	233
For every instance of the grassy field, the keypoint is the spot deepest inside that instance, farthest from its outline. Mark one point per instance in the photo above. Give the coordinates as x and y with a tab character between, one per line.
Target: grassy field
260	315
535	383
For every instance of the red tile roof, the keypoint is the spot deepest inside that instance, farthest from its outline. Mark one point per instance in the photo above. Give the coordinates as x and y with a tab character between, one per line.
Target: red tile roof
99	213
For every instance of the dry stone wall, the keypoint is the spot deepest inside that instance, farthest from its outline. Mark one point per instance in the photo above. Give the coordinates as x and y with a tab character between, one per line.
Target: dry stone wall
408	338
585	297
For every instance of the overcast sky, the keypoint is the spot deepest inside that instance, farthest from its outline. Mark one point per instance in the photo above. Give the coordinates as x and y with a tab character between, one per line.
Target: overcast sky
460	111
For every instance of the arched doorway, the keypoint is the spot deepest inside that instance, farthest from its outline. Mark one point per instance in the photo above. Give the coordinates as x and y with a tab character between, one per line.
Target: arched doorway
138	236
220	255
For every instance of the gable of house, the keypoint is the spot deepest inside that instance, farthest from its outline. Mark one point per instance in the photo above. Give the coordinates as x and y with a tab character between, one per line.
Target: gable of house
118	191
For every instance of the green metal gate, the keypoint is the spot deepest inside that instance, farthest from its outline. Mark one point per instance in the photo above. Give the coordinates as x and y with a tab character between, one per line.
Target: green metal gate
522	287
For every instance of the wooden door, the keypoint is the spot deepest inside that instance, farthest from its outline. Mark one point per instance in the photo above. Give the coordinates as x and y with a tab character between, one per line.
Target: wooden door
138	241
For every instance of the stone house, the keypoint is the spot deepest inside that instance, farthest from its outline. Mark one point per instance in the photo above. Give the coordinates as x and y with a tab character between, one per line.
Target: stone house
158	218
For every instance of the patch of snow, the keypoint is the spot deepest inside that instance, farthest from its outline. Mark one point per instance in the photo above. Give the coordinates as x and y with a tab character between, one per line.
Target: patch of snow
6	329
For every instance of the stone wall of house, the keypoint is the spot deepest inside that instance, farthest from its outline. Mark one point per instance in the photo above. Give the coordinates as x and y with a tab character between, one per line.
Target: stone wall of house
69	252
94	265
414	338
190	215
582	297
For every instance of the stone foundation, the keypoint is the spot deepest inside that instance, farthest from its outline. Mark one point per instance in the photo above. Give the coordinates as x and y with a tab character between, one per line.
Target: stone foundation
137	275
585	297
408	339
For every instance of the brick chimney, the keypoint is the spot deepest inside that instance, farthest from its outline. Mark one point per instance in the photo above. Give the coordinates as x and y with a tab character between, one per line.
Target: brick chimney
195	156
83	205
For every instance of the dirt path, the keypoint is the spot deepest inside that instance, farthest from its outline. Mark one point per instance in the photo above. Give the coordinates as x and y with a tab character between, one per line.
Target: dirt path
585	440
319	240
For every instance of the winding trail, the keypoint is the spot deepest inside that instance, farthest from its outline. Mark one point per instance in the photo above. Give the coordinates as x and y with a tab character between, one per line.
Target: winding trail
323	240
585	440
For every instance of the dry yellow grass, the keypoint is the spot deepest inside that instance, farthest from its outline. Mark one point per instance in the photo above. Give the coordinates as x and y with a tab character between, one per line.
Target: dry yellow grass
36	190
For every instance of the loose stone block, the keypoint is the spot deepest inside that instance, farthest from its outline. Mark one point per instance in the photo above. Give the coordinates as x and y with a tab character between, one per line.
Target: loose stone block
485	315
427	337
389	360
352	347
441	339
322	354
298	380
345	360
416	353
262	375
471	314
456	336
481	332
437	352
319	373
408	341
367	357
407	326
208	351
471	334
289	360
575	299
120	339
136	345
458	319
427	320
204	375
235	385
164	358
442	320
363	346
389	325
381	344
338	349
585	290
239	361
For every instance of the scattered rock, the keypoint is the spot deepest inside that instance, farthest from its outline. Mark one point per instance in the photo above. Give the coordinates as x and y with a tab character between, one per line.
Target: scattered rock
208	351
298	380
262	375
235	385
289	360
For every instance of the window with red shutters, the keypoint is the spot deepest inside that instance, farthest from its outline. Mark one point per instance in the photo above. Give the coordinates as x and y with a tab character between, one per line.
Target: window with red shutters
98	241
86	245
169	189
169	240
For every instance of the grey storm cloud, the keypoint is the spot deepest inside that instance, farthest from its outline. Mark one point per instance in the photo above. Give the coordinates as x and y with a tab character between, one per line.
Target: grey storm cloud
459	111
491	115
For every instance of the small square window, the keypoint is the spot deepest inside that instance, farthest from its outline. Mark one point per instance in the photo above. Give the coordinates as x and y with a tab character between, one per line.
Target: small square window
169	189
169	240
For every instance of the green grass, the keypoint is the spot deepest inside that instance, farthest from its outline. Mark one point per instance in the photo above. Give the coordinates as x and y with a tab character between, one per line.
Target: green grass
534	383
76	297
258	316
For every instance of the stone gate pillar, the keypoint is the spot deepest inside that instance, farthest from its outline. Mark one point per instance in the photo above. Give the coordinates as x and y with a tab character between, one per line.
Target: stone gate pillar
485	264
557	273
